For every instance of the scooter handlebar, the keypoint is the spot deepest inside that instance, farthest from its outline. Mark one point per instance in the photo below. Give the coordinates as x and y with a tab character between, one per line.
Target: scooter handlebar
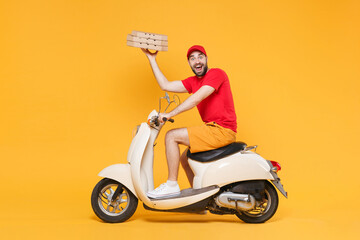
170	120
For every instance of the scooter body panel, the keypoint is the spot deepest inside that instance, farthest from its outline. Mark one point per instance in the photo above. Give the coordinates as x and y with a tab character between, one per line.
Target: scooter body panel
235	168
120	173
135	156
139	141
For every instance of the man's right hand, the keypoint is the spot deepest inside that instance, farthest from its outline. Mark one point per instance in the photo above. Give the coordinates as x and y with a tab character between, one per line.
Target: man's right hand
150	55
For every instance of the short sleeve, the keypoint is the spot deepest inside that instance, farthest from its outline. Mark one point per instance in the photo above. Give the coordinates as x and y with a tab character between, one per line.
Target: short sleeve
187	84
215	78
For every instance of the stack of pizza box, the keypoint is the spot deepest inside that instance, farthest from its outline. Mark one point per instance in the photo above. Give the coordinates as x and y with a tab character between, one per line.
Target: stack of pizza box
147	40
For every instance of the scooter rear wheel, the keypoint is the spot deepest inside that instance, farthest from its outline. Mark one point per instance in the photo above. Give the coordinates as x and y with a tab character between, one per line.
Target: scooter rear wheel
113	211
264	212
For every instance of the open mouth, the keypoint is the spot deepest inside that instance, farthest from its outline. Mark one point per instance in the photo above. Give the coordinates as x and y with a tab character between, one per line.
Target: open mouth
198	68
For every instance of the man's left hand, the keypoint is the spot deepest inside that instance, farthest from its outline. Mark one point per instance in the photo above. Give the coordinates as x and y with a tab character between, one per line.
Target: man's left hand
164	115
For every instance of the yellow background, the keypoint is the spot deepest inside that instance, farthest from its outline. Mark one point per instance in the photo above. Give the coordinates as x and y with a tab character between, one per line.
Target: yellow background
71	92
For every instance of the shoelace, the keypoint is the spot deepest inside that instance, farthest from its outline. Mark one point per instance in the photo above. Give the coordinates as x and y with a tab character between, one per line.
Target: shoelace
161	187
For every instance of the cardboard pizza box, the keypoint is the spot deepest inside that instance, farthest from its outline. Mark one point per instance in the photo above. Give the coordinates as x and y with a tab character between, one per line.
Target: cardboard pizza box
147	40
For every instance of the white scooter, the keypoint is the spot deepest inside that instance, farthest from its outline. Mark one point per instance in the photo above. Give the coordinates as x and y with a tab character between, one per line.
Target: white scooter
229	180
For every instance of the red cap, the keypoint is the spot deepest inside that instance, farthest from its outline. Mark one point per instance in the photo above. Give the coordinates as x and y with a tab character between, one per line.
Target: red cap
196	48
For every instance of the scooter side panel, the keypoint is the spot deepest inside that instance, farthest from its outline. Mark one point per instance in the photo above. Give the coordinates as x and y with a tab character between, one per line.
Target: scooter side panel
142	135
147	178
136	156
120	173
235	168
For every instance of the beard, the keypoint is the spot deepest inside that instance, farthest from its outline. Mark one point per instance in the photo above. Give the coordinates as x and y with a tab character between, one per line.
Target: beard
205	69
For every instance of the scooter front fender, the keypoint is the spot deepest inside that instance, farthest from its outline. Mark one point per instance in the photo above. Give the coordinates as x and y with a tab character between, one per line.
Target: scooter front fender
120	173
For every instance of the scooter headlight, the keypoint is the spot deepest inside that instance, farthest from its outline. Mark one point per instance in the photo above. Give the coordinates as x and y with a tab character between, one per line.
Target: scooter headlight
135	130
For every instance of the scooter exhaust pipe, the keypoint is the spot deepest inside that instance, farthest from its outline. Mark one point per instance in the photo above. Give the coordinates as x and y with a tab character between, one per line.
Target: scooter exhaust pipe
243	202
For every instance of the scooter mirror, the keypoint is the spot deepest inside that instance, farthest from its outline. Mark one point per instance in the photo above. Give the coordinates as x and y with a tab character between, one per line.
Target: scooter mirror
169	102
167	97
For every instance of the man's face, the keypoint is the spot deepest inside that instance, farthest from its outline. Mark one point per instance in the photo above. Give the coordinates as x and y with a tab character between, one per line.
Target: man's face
198	63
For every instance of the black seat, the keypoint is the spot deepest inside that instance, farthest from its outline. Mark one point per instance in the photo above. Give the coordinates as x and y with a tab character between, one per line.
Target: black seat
218	153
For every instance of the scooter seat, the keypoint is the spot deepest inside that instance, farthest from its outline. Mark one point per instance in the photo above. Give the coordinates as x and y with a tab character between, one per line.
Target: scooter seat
218	153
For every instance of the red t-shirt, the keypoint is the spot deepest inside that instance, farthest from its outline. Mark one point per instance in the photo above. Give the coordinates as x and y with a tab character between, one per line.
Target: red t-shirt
219	106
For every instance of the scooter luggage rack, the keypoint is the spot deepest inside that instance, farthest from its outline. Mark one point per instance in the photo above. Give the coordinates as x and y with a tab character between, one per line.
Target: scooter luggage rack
249	148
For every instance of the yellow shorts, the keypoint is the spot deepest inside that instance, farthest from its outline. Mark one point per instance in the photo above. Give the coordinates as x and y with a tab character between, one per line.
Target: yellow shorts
209	136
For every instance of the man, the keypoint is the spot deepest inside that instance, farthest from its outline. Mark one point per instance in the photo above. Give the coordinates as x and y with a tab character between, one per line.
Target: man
211	93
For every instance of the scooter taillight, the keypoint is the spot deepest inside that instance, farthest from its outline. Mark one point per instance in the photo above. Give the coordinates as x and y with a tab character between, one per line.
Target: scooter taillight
276	166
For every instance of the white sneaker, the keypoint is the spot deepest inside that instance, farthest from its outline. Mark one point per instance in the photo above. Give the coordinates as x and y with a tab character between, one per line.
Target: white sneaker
164	191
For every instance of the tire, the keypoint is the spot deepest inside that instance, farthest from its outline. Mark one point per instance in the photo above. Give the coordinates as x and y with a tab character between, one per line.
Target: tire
264	213
109	211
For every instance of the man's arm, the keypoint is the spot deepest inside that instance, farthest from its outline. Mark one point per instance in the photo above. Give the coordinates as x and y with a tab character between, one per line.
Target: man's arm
190	102
165	85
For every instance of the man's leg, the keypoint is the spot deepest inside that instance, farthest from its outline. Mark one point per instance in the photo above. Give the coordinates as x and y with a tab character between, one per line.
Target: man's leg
172	140
185	164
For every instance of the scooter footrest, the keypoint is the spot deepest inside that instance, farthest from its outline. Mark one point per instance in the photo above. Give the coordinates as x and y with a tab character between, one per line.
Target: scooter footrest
188	192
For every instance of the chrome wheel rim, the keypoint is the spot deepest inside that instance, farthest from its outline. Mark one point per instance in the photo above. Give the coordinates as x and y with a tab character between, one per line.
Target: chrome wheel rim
262	209
116	207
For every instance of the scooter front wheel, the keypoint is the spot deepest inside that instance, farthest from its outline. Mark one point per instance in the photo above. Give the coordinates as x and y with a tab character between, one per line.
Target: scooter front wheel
110	208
